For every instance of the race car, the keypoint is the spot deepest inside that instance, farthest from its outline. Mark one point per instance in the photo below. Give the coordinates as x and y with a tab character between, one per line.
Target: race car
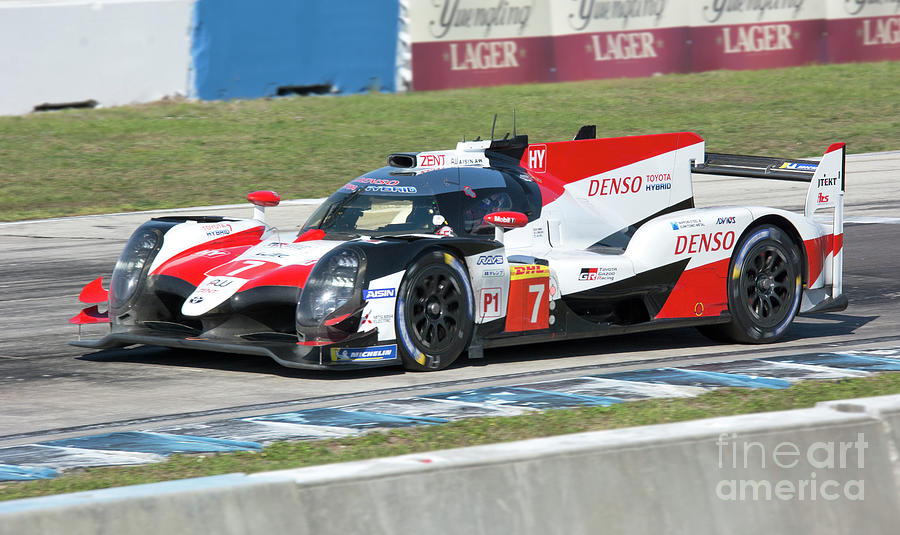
494	243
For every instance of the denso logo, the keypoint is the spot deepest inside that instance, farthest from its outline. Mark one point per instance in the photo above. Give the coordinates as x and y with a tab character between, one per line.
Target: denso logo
708	242
489	260
725	221
379	293
610	186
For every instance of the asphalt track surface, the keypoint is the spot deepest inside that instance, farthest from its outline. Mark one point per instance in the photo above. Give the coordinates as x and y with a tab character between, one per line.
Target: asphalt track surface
50	390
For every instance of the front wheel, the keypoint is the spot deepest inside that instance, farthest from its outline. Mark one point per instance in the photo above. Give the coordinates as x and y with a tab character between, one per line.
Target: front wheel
764	287
434	317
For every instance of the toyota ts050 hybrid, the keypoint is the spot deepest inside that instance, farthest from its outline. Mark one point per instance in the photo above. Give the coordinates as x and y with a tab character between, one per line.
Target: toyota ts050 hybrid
494	243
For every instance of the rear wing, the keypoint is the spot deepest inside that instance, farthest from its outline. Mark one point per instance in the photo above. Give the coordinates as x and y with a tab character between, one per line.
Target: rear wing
826	187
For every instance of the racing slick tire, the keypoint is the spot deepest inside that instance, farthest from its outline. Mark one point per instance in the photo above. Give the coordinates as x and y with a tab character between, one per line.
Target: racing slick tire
764	287
435	310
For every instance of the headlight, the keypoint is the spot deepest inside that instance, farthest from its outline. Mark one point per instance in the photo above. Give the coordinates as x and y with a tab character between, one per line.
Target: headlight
127	275
331	285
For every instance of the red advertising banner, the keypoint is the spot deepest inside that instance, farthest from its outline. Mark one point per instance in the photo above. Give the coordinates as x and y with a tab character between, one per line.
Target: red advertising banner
465	43
757	46
452	64
863	30
743	34
604	39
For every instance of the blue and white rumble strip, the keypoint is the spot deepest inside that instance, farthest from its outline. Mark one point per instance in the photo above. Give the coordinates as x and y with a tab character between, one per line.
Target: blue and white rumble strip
47	459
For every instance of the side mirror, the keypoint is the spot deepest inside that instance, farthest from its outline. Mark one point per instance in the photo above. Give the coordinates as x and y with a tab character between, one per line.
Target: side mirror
261	199
505	220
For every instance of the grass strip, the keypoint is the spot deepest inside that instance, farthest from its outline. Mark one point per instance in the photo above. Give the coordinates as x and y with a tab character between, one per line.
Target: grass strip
177	154
467	432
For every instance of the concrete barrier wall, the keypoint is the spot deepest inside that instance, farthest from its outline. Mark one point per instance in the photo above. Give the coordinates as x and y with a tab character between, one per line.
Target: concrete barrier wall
816	470
113	52
117	52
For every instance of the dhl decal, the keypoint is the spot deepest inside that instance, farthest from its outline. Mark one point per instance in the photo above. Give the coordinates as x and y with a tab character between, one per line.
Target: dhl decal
531	271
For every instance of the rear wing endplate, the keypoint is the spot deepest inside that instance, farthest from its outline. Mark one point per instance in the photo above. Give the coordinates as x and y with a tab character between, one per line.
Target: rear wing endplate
826	187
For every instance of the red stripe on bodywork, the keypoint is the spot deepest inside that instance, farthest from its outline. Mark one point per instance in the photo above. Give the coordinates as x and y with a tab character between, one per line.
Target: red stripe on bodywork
838	243
699	292
817	250
553	165
192	264
280	276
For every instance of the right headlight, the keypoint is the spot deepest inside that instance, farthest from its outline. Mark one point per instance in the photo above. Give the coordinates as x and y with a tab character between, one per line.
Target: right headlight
330	286
126	277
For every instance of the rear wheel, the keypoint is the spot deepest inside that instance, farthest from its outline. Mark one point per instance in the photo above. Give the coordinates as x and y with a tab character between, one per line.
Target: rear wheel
434	312
764	288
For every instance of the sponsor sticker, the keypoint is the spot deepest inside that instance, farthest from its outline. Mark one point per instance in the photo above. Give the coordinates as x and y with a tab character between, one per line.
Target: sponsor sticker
392	189
686	223
217	229
493	273
725	220
378	181
704	243
798	166
489	260
597	274
364	354
379	293
531	271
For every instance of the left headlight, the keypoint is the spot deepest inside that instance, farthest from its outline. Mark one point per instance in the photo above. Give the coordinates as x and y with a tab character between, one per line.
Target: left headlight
126	277
331	285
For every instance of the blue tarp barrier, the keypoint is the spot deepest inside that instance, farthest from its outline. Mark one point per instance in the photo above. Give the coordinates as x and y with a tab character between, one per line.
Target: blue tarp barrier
248	49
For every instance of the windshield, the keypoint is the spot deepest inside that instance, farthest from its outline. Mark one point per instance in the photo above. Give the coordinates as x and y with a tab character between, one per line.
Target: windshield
355	214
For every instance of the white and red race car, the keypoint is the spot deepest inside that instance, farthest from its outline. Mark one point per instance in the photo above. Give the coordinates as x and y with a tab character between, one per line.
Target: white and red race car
494	243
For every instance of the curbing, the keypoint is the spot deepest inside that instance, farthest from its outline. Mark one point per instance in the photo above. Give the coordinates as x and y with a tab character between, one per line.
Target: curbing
685	477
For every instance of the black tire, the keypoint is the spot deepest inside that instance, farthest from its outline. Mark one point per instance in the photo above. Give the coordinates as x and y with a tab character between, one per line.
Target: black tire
764	288
435	310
